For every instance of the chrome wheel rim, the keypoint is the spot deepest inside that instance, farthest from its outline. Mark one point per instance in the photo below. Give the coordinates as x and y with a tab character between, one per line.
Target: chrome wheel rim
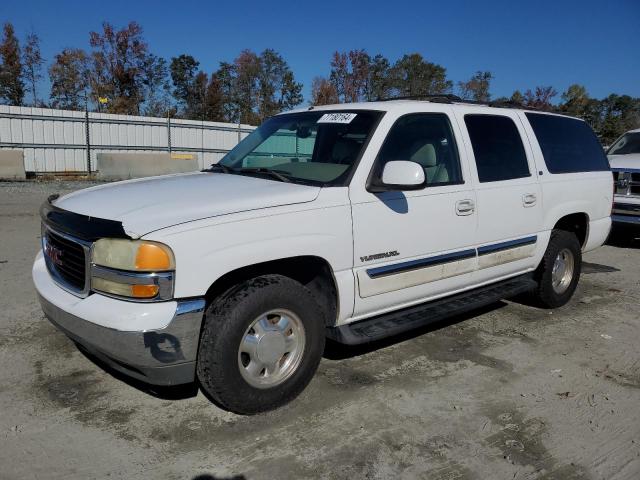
562	272
271	348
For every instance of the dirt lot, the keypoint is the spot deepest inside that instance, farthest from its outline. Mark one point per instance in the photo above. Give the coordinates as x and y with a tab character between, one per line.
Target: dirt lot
509	392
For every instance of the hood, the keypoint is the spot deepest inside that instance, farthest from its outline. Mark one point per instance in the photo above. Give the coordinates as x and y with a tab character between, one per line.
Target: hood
625	162
148	204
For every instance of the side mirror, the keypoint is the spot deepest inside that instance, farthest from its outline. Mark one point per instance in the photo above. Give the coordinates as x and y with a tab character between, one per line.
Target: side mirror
400	175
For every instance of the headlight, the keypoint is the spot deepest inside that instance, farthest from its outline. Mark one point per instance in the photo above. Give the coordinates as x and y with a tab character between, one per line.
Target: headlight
136	269
137	255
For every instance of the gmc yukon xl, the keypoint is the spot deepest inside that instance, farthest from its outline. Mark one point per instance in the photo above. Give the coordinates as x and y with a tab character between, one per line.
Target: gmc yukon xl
351	222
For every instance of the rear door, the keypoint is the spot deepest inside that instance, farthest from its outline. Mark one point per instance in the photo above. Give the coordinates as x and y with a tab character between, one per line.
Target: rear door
508	194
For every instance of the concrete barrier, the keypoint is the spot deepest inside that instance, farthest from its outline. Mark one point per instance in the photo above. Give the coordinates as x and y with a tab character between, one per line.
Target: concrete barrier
122	166
12	165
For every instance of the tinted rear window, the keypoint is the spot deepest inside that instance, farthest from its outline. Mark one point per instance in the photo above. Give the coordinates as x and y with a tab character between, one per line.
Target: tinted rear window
497	147
568	145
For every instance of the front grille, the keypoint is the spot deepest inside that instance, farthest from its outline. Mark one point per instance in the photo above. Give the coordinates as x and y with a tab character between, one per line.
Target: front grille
66	260
634	187
627	183
626	209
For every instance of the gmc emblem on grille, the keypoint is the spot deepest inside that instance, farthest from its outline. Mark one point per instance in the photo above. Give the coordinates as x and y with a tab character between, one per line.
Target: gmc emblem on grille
54	254
623	183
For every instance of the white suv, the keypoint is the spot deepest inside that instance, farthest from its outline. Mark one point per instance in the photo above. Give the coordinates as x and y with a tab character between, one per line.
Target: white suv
352	222
624	156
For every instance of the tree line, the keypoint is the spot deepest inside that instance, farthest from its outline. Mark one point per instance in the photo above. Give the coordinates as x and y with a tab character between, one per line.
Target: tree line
118	73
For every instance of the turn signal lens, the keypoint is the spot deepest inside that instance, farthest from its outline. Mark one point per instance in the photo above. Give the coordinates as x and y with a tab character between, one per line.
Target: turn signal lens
124	290
152	256
144	291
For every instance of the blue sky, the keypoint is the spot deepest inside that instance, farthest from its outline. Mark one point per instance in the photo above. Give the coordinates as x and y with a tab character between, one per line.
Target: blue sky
524	44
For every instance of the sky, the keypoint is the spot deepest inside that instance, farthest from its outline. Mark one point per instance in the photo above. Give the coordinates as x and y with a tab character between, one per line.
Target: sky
524	44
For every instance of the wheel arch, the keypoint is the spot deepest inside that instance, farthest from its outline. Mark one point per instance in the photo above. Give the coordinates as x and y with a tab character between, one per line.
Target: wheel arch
313	272
577	223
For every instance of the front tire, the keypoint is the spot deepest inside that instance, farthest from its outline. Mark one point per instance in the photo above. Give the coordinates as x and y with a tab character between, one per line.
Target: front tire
261	344
559	271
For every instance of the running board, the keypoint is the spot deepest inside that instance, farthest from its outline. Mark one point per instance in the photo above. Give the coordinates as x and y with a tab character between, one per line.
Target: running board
400	321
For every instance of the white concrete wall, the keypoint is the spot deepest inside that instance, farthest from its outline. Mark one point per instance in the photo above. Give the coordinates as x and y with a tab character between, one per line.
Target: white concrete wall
123	166
54	141
11	165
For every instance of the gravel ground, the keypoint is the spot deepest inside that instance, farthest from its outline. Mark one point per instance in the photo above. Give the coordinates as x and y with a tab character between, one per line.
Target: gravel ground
508	392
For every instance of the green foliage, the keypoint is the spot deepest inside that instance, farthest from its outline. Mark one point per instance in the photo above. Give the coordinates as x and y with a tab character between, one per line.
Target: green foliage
413	75
156	88
252	87
356	76
278	90
255	87
199	95
183	72
69	79
380	81
609	117
517	98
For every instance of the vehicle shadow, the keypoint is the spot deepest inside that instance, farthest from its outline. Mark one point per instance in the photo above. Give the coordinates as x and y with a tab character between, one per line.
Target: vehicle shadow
338	351
175	392
588	268
624	238
206	476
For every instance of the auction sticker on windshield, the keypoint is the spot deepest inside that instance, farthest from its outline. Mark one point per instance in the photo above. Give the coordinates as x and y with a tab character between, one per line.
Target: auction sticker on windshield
337	118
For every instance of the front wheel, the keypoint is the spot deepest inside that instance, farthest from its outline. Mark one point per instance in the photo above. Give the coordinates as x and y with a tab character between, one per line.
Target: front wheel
261	344
559	271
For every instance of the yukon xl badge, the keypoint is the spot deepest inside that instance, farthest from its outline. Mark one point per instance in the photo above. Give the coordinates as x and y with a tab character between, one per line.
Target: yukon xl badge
378	256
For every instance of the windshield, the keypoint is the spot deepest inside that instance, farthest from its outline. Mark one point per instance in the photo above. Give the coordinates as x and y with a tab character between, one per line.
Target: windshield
319	148
628	143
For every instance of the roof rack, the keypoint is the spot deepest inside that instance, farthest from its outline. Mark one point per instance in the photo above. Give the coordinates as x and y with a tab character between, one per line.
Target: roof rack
451	98
436	97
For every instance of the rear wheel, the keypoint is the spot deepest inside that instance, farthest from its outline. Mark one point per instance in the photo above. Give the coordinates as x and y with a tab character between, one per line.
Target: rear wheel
559	271
261	344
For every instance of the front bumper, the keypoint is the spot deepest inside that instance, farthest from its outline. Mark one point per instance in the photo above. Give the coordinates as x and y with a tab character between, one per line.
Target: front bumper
160	354
625	220
626	211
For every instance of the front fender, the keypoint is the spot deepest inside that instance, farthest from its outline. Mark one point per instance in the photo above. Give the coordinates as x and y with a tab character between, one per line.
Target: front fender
204	253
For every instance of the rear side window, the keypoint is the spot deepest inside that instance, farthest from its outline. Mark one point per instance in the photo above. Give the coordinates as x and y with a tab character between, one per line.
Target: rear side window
568	145
497	147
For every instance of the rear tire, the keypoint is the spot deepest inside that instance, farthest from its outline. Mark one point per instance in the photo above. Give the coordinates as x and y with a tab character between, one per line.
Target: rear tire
559	271
261	344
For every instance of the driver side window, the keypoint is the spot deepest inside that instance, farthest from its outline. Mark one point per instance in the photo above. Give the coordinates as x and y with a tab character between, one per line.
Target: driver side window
426	139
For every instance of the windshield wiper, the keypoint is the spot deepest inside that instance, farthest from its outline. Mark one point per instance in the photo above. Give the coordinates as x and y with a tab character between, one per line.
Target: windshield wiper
277	174
219	167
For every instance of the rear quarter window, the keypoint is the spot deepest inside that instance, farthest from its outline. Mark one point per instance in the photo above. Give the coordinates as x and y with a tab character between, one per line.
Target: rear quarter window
568	145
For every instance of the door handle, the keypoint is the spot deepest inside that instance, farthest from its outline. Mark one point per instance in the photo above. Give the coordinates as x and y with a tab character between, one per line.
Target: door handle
465	207
529	199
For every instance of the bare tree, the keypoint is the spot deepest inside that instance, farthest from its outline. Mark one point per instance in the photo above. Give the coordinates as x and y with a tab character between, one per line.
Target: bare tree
32	65
323	92
540	98
350	75
118	62
477	87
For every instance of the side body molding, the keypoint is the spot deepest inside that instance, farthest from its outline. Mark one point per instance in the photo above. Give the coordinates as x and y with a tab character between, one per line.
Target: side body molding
396	276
